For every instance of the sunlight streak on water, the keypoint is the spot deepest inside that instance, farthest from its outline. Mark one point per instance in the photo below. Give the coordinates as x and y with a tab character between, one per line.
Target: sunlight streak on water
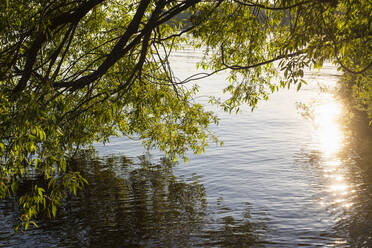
331	140
330	134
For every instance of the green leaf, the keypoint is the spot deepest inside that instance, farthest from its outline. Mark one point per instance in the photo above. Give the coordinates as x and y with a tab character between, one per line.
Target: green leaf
54	210
299	86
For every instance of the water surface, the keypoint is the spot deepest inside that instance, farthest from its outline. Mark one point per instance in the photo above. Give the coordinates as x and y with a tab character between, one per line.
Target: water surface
280	180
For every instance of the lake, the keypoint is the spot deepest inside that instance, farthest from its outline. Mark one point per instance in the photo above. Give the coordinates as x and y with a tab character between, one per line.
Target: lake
279	180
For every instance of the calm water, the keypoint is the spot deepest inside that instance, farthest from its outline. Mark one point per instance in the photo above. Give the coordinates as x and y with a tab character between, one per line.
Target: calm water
279	181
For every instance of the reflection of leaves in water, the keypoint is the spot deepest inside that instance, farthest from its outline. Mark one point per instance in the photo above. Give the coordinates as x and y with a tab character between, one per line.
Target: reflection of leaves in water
137	203
233	232
146	205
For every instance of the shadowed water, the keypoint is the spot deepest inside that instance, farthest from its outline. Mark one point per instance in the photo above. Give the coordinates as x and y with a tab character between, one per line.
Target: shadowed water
280	180
147	206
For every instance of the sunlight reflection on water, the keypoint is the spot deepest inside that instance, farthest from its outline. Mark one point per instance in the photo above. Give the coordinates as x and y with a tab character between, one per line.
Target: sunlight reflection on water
331	140
330	134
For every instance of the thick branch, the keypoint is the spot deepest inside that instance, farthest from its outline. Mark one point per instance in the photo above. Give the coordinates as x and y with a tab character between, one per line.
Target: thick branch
115	54
41	38
31	58
121	48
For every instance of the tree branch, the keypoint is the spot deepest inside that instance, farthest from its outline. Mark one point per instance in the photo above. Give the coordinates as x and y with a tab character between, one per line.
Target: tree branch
41	38
116	53
261	6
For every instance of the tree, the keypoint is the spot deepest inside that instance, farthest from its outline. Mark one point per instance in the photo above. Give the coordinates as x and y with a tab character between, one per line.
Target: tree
75	72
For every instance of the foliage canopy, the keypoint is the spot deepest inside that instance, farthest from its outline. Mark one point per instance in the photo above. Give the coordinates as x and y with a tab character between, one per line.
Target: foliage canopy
75	72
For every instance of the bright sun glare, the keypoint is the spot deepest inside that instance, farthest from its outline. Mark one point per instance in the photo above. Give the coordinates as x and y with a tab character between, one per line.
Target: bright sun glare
330	135
331	139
